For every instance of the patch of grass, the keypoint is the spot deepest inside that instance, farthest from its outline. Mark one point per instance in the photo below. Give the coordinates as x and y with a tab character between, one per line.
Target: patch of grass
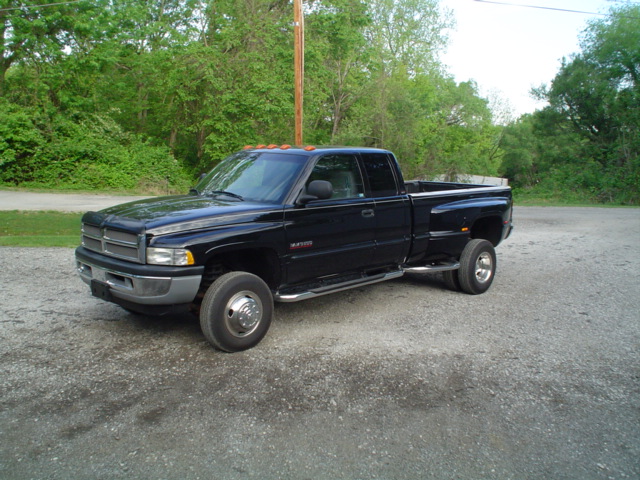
39	229
533	201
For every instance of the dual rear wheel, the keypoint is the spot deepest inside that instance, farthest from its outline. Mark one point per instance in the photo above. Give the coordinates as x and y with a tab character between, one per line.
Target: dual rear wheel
477	268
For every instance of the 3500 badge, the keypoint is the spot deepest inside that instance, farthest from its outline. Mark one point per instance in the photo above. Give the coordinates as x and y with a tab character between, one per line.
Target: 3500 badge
297	245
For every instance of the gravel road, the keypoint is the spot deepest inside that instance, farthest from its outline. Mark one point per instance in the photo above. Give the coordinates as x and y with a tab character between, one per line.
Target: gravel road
64	202
539	378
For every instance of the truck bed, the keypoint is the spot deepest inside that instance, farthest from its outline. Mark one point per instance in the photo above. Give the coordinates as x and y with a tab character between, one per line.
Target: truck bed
445	215
421	186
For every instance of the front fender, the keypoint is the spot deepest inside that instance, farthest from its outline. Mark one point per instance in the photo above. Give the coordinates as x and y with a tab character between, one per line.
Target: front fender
216	241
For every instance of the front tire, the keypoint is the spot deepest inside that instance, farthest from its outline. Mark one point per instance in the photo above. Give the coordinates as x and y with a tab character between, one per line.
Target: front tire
236	311
477	266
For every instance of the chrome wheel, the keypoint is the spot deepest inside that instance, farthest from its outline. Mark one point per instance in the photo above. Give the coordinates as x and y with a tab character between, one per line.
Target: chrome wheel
243	313
477	266
484	267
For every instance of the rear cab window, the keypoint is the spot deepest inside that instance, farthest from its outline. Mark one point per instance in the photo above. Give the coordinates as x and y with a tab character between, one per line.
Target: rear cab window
381	175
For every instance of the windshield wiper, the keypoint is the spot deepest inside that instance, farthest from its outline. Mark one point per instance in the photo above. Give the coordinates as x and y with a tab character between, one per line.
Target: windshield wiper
224	192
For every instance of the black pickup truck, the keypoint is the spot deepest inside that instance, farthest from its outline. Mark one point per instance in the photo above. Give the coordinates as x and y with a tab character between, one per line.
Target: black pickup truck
286	224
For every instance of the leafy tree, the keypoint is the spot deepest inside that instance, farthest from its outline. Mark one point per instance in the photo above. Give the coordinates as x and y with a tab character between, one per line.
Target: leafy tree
337	57
33	34
89	152
409	33
248	97
471	138
593	103
110	91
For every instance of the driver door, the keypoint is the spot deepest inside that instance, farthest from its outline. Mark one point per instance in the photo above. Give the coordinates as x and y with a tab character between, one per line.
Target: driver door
334	236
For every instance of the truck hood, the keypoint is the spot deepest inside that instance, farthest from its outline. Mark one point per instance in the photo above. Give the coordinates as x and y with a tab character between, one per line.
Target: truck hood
163	215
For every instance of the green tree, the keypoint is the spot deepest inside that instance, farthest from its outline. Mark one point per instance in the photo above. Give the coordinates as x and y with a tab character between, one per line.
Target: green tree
33	34
471	143
594	99
409	33
105	90
337	58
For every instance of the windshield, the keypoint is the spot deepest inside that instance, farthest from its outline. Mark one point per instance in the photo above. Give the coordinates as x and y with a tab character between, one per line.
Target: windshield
253	176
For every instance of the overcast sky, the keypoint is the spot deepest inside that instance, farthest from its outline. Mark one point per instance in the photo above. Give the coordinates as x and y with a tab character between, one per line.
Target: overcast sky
510	49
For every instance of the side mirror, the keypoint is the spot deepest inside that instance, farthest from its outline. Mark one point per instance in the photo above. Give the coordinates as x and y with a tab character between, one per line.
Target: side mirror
317	190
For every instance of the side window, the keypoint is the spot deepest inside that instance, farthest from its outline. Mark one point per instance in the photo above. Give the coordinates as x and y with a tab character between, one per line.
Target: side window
380	174
343	173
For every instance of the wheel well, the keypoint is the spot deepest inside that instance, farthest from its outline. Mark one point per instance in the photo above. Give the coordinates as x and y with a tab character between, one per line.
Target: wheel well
262	262
488	228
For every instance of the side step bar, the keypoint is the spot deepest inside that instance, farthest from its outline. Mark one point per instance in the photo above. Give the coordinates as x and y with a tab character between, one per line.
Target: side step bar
441	267
338	287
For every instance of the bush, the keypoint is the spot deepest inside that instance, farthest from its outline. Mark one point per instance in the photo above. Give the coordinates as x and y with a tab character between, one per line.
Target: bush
85	152
20	142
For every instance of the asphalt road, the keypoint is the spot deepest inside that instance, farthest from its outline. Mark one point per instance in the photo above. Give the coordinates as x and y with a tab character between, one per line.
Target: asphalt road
539	378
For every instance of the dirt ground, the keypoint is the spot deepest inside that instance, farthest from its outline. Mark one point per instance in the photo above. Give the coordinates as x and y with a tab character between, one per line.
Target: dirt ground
538	378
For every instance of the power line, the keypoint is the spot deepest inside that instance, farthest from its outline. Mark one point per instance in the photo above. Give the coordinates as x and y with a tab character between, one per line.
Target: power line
40	6
542	8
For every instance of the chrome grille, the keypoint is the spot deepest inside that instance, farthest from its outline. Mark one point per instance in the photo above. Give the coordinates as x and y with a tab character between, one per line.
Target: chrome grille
91	230
92	243
115	243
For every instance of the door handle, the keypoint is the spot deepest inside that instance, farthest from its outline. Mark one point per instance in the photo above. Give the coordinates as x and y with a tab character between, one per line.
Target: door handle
368	213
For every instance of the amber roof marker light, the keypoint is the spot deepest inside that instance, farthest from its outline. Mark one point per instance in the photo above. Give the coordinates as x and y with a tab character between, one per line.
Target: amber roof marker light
274	146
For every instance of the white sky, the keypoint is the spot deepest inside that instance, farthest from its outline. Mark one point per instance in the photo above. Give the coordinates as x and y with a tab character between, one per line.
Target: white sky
508	50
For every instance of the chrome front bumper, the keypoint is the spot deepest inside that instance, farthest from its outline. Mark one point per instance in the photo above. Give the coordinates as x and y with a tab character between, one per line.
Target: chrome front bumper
124	282
140	289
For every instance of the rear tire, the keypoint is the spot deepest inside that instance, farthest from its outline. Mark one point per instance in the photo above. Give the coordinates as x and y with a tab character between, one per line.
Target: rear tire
477	266
236	311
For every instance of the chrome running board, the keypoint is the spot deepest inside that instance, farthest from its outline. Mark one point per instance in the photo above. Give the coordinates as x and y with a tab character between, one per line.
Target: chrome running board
338	287
359	282
441	267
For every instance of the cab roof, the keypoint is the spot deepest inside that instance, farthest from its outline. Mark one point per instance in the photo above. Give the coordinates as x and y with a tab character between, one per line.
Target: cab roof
311	150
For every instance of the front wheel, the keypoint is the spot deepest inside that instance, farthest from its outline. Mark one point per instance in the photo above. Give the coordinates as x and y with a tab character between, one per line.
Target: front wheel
477	266
236	311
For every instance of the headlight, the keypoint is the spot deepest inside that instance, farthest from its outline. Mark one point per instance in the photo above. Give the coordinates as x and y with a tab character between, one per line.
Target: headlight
169	256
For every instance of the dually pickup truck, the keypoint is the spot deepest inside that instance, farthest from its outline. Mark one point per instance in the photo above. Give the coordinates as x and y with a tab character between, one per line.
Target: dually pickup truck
287	224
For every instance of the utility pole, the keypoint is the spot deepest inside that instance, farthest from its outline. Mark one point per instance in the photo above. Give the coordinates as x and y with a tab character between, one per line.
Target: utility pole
298	65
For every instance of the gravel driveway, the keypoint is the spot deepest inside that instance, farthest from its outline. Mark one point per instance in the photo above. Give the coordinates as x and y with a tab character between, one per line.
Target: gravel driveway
539	378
